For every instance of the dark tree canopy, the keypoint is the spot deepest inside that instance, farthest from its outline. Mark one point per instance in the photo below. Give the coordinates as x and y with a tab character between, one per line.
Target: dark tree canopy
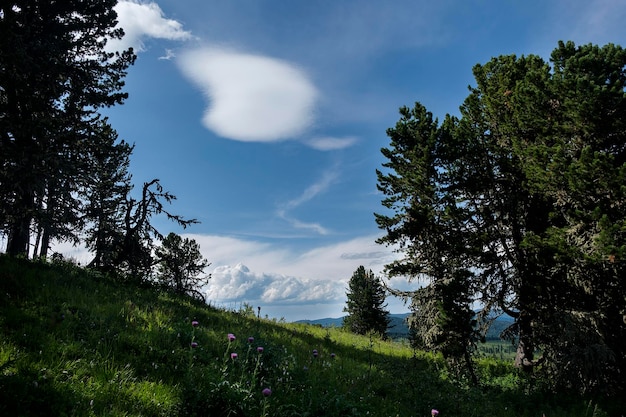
522	197
54	76
180	265
366	304
64	174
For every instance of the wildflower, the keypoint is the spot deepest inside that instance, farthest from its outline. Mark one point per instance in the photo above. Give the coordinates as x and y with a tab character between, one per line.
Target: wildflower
332	355
233	356
266	392
194	344
259	349
250	339
231	337
434	412
194	323
315	353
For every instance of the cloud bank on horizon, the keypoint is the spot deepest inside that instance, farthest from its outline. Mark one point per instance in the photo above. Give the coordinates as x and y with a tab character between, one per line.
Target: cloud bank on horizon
289	278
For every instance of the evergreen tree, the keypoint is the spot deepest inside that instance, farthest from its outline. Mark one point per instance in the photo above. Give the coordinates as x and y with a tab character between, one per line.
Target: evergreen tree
522	197
54	76
107	185
179	265
366	304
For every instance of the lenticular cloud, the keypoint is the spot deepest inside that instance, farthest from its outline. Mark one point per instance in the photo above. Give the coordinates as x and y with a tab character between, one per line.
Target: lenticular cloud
251	98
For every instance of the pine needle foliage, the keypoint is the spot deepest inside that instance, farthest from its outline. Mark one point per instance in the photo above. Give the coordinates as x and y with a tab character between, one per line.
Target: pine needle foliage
366	304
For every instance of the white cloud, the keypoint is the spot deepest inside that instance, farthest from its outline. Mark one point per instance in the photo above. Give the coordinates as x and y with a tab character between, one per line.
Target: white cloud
287	283
331	143
144	20
334	262
308	194
239	284
251	97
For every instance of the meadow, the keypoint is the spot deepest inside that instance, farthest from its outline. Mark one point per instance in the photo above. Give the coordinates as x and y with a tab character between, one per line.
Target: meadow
78	343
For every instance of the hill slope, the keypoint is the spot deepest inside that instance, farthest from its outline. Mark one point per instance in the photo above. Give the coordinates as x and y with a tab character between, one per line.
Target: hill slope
76	343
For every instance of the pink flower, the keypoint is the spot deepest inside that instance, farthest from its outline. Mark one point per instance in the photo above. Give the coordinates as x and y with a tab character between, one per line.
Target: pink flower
250	339
266	392
194	345
259	349
434	412
231	337
233	356
194	323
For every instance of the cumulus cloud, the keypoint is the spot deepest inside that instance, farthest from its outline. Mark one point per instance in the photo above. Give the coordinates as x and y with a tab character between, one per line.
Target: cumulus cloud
144	20
328	143
238	283
252	98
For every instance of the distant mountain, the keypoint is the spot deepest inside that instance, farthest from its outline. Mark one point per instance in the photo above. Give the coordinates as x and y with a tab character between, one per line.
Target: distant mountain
398	326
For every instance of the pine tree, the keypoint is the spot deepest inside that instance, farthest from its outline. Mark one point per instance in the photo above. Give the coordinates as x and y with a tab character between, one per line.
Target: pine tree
180	264
522	197
56	75
107	183
366	304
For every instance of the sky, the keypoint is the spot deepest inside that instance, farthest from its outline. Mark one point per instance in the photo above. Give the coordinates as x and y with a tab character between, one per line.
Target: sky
266	119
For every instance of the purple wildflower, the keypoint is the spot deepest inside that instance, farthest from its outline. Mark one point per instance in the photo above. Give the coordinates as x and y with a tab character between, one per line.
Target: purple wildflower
233	356
259	349
332	355
250	339
315	353
266	392
194	323
434	412
194	345
231	337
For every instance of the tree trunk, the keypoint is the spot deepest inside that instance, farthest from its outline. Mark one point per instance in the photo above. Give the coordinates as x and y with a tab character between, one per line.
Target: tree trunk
19	236
19	230
525	355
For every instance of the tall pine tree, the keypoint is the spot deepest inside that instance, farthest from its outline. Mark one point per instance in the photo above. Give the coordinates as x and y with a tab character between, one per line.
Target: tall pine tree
366	304
54	77
522	197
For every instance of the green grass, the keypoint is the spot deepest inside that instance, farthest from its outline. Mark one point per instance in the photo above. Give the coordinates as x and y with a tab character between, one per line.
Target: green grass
497	349
77	343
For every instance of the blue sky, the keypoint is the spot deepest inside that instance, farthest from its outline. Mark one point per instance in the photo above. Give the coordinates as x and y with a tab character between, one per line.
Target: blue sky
266	118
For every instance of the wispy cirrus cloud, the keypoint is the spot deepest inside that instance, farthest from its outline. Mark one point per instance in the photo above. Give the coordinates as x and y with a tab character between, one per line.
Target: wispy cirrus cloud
251	98
329	143
591	20
141	20
308	194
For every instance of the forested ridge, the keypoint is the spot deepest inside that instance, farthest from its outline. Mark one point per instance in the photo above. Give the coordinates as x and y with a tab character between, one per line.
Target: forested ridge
517	205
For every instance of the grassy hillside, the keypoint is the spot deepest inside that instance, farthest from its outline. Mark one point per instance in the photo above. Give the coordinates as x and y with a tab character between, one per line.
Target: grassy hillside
75	343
